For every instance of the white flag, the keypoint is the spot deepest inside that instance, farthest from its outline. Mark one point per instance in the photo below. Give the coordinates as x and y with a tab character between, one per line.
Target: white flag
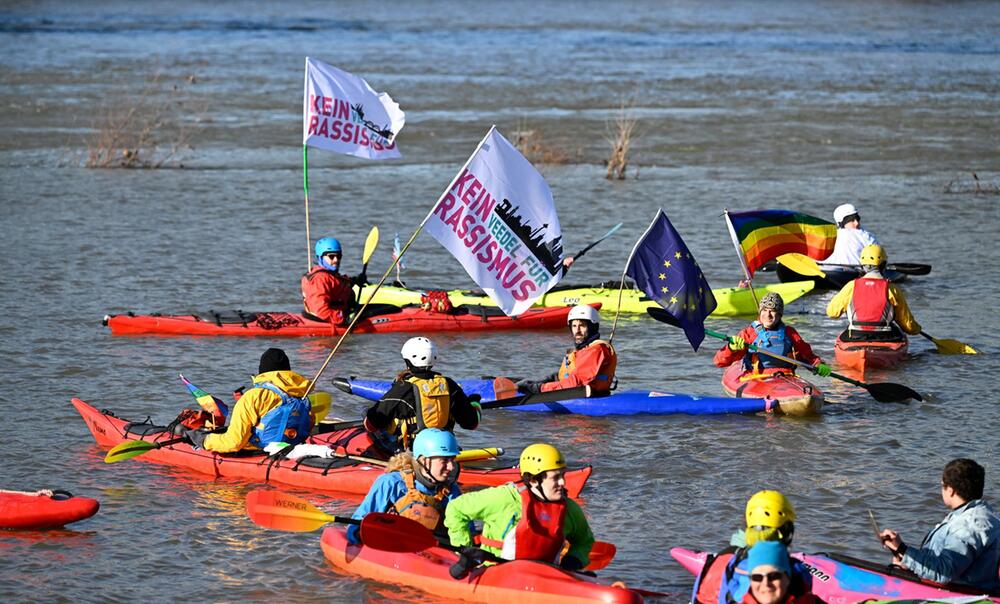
343	114
500	222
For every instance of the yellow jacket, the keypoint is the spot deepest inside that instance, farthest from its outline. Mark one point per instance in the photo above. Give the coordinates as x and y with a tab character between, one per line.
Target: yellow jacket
900	309
251	407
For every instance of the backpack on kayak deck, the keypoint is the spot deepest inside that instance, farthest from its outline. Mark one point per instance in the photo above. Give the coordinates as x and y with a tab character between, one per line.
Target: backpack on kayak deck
436	300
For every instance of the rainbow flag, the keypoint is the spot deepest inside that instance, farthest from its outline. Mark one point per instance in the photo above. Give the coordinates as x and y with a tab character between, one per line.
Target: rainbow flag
206	401
763	235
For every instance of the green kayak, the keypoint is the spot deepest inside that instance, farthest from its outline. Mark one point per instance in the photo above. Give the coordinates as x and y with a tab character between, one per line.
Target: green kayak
733	301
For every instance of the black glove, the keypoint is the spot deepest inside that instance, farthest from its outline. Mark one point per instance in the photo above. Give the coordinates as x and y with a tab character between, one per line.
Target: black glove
475	398
469	558
570	563
529	386
195	437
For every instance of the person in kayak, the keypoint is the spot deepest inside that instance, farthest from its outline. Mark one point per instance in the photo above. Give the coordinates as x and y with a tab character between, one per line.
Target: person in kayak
851	238
421	398
725	576
327	295
591	362
876	309
771	576
274	410
769	333
965	546
531	520
416	485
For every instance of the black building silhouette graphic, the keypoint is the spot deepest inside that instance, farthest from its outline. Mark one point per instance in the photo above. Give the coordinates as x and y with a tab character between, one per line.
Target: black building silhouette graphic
550	253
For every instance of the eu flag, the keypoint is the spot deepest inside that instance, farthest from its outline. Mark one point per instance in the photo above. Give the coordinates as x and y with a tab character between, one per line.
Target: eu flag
666	271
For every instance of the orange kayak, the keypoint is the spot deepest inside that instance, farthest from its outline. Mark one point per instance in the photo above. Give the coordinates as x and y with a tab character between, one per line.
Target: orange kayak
791	394
862	356
521	581
28	511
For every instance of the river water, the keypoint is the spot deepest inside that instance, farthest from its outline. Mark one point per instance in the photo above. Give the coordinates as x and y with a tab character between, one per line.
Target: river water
739	105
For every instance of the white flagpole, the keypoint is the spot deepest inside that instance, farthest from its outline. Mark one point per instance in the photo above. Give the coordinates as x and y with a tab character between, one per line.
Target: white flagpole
739	254
621	288
388	271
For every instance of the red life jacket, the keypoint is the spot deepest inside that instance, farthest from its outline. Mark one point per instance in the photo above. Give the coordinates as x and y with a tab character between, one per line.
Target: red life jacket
870	309
713	575
605	374
539	532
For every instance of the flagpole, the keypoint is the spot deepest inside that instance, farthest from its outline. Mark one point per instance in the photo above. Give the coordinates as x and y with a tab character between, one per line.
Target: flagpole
621	288
395	262
739	254
305	187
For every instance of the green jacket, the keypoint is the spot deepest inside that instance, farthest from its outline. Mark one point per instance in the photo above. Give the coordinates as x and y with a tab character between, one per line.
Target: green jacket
499	508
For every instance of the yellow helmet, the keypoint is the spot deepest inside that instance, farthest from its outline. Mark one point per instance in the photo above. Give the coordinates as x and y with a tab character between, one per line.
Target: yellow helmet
540	458
770	509
873	255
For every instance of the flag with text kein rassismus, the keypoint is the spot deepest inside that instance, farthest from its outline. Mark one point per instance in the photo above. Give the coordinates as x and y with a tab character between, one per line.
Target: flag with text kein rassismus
666	271
343	114
499	220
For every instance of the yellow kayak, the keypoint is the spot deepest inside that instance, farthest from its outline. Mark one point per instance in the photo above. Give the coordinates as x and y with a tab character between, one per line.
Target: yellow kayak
732	301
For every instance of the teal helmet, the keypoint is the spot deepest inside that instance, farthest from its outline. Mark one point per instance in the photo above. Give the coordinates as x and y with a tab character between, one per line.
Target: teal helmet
433	442
327	245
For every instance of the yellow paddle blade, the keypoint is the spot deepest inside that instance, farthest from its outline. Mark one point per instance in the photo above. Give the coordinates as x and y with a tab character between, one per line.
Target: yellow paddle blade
953	347
370	244
801	264
320	403
128	450
479	454
283	512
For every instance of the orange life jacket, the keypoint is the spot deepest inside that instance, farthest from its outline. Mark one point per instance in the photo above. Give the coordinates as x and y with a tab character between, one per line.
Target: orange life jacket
870	309
426	509
605	374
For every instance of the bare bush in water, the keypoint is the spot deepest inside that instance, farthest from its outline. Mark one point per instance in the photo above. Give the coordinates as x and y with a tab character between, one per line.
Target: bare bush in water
144	130
961	184
532	145
620	131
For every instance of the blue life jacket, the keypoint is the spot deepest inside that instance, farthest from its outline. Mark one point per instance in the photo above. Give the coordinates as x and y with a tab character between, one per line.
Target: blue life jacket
289	422
736	581
770	340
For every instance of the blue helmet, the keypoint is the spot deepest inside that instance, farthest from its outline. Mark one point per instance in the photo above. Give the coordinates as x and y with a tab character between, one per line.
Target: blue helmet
327	245
432	442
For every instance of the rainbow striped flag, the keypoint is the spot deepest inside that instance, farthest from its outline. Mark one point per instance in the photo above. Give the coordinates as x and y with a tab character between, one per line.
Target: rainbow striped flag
206	401
763	235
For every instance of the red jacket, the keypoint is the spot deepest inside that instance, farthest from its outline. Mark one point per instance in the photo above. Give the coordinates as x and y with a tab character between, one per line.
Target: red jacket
327	295
593	366
803	599
801	350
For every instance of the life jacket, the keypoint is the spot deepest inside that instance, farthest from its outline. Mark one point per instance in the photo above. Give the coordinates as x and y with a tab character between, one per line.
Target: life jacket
870	309
708	585
433	402
771	340
426	509
289	422
605	373
538	534
344	306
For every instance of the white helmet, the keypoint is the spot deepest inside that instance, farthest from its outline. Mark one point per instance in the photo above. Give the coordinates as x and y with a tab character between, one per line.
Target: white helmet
584	312
420	352
843	211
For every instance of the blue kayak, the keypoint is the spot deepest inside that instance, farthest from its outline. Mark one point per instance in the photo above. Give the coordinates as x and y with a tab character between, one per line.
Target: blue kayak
627	402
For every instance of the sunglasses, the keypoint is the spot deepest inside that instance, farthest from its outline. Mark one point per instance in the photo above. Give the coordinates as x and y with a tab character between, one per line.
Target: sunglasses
771	577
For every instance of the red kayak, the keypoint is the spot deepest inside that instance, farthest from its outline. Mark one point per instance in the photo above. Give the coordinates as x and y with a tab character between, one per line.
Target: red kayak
343	475
521	581
862	356
30	511
791	394
408	319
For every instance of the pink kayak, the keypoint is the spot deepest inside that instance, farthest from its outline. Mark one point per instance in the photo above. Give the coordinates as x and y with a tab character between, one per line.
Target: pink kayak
844	580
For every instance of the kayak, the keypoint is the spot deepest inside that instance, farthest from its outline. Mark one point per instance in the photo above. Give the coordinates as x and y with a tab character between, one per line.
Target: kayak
862	356
339	474
29	511
836	277
521	581
841	579
732	301
628	402
794	395
408	319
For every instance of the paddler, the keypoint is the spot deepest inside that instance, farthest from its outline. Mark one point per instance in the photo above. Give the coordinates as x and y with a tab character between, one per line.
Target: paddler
591	361
876	309
531	520
965	546
769	333
771	576
274	410
416	485
851	238
328	295
421	398
725	578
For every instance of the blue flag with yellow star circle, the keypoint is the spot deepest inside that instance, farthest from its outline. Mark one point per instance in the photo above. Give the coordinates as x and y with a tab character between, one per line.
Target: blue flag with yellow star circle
666	271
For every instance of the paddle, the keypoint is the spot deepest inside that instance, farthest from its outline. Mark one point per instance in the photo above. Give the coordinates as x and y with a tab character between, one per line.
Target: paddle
370	244
611	232
526	399
134	448
885	392
950	346
804	265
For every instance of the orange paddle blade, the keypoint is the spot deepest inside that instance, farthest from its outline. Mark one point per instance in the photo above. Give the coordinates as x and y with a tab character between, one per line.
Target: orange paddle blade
504	388
284	512
601	555
393	533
